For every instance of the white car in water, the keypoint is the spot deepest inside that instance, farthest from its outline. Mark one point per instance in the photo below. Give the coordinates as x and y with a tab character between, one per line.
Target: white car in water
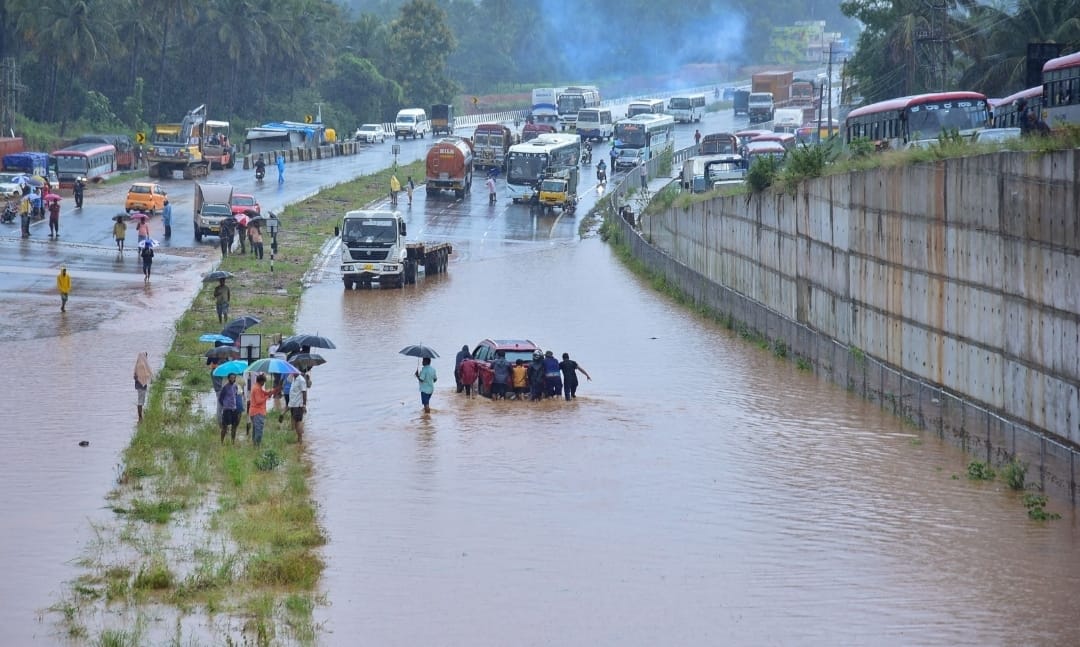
370	133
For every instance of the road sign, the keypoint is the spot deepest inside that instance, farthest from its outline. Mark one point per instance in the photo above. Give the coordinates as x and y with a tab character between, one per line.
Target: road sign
140	137
308	119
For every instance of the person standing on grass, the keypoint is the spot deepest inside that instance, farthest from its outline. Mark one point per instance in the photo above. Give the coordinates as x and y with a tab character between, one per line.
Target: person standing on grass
222	295
426	377
257	409
229	399
142	381
298	397
570	369
63	284
255	238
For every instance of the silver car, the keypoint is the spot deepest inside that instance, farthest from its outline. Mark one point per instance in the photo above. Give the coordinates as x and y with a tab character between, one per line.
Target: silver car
370	133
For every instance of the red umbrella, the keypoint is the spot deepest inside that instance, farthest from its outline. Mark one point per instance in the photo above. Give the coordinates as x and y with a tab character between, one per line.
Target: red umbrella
51	197
138	215
241	220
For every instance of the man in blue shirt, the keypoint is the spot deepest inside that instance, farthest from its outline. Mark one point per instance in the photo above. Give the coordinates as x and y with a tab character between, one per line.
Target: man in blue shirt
427	378
166	219
229	399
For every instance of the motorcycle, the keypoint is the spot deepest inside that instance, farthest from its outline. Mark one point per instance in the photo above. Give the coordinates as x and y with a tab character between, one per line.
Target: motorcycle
601	173
9	214
80	186
586	157
260	173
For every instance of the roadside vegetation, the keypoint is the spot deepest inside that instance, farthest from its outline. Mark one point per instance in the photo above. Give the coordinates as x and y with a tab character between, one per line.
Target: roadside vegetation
230	533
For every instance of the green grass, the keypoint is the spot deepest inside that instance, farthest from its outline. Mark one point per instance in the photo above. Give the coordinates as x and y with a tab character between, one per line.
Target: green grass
253	506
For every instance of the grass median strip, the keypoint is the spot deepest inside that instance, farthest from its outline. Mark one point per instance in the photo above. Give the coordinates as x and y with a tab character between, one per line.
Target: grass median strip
229	531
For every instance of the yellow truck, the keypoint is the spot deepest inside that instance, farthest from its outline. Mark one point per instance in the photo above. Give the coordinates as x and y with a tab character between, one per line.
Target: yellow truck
179	147
559	189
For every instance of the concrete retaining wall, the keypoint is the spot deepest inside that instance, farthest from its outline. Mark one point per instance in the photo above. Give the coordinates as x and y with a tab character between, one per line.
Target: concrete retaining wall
961	277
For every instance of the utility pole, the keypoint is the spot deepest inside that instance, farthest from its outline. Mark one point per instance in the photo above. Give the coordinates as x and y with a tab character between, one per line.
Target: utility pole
828	83
934	45
10	91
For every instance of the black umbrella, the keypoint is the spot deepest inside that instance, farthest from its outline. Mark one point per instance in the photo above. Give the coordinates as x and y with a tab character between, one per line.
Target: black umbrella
297	342
306	360
217	275
223	351
251	213
237	326
419	350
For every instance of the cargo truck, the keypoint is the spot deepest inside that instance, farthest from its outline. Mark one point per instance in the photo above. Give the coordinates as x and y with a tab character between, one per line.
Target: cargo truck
213	203
776	83
442	119
450	166
374	249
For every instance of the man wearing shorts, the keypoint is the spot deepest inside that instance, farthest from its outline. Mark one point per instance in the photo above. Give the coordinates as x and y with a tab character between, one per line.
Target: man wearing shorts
298	404
426	376
222	294
229	399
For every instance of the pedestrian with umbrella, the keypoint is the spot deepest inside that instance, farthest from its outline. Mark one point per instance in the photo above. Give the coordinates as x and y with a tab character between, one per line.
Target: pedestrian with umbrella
225	236
229	399
146	253
222	295
119	232
241	231
426	374
53	202
142	225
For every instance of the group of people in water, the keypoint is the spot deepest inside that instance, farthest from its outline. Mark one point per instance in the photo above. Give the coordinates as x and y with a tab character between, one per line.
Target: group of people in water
543	377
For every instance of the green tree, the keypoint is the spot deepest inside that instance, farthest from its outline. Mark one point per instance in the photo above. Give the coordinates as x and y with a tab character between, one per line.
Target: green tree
420	43
359	87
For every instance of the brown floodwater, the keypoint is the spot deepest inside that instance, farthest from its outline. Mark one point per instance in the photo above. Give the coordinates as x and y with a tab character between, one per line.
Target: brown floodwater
698	492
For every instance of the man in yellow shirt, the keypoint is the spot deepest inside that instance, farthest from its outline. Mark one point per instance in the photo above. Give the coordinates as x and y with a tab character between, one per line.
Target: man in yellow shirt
63	283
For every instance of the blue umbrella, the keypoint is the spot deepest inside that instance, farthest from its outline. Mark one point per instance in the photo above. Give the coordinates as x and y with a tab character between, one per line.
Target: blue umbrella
214	338
272	365
235	367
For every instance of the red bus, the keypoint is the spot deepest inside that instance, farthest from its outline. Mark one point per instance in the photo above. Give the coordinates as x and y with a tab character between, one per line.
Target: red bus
125	150
897	122
1007	110
1061	90
94	162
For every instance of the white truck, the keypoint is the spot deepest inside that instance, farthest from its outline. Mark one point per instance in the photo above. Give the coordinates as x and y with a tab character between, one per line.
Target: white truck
213	203
374	250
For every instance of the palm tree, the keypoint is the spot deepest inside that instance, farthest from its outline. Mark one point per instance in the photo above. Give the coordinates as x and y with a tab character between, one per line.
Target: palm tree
172	13
240	31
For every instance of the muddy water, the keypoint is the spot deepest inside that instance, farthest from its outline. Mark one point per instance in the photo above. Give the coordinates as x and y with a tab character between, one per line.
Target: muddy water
698	491
69	379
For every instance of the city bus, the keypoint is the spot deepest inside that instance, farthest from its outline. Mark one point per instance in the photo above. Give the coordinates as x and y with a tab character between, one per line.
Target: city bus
686	107
526	163
896	122
92	161
545	109
643	137
1008	112
645	107
1061	90
573	99
125	150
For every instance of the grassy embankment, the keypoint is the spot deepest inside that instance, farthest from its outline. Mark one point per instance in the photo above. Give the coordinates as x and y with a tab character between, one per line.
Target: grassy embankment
228	531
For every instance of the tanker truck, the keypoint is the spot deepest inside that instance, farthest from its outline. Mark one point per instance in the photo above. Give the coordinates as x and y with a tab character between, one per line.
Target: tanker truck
450	166
374	250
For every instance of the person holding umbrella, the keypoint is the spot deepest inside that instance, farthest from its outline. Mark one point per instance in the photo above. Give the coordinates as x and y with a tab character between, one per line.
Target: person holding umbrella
146	253
229	399
143	227
426	377
53	201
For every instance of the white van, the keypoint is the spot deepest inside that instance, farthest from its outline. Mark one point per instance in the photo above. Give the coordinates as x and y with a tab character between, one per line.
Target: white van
595	123
411	122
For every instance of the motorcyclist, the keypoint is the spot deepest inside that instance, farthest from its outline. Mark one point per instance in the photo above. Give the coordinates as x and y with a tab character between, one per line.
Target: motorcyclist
601	172
260	168
587	157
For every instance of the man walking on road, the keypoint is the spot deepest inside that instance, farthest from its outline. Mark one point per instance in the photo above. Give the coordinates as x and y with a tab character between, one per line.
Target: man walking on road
63	284
222	295
166	219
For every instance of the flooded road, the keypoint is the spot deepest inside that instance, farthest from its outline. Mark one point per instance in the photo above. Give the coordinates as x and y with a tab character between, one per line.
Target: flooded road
697	492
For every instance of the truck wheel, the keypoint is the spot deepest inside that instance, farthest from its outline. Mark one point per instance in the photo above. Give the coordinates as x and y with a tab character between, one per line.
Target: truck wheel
198	234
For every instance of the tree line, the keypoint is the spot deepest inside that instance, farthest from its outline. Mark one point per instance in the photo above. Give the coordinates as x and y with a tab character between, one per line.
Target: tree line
915	46
135	62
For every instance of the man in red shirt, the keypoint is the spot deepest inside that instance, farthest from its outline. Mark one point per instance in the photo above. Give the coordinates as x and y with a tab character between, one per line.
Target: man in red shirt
257	407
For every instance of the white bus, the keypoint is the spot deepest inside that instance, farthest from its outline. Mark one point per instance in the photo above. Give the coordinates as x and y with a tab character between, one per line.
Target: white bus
687	107
642	138
595	123
573	99
645	107
545	108
526	163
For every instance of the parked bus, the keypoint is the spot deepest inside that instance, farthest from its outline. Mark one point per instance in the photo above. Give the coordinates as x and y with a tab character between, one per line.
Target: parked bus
642	138
1008	112
645	107
719	144
95	162
573	99
526	163
545	108
687	107
896	122
490	145
1061	90
595	123
125	150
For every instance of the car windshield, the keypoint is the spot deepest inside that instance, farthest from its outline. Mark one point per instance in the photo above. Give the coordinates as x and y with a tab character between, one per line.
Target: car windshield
369	230
244	201
513	356
139	189
370	128
405	119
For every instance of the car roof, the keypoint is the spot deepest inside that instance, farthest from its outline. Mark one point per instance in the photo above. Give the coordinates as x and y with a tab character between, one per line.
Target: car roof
510	344
242	195
143	183
376	126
